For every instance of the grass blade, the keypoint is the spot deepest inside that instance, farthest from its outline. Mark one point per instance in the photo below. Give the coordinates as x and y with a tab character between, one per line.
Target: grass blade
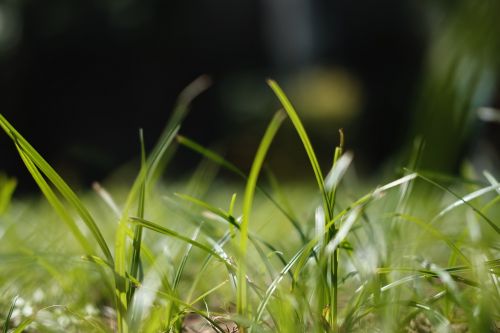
68	194
55	202
247	206
297	123
147	176
136	244
162	230
9	315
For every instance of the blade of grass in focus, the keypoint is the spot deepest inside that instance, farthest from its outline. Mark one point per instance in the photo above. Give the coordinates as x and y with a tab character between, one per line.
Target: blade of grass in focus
34	158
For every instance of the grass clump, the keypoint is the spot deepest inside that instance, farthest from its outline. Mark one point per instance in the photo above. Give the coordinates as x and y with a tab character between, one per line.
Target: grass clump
171	260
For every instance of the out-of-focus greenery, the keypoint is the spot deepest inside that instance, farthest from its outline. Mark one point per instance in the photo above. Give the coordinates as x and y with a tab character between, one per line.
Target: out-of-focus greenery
461	76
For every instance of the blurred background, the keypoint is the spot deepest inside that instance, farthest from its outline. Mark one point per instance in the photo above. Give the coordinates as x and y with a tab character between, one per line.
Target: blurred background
79	78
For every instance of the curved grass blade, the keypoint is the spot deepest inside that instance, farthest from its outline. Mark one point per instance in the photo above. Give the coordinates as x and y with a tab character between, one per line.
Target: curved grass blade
265	143
23	325
162	230
297	123
63	188
181	109
182	265
210	154
54	201
204	205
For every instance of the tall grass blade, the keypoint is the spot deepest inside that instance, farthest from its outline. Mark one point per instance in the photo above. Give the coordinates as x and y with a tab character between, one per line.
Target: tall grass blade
63	188
297	123
147	176
55	202
247	206
136	244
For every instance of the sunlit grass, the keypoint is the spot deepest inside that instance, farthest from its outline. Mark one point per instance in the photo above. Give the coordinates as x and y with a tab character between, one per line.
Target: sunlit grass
253	256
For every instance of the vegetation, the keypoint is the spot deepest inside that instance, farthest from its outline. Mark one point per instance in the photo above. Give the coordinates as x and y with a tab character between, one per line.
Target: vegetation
167	258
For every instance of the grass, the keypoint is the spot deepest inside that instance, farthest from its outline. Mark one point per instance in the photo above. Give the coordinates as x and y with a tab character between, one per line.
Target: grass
278	258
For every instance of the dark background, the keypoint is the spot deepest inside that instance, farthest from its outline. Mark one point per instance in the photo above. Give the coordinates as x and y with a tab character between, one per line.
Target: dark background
78	78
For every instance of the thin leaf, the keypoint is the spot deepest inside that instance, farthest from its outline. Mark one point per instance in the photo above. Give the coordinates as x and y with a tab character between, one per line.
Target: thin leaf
297	123
247	206
137	240
55	202
68	194
147	175
9	315
162	230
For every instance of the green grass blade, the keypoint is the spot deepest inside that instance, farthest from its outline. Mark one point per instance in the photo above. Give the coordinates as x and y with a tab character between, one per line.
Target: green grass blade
182	265
210	154
165	231
23	325
58	182
181	109
297	123
274	285
265	143
421	274
136	244
147	176
55	202
204	205
9	315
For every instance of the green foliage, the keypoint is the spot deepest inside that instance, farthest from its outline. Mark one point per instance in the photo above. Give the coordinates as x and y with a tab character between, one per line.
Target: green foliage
391	260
